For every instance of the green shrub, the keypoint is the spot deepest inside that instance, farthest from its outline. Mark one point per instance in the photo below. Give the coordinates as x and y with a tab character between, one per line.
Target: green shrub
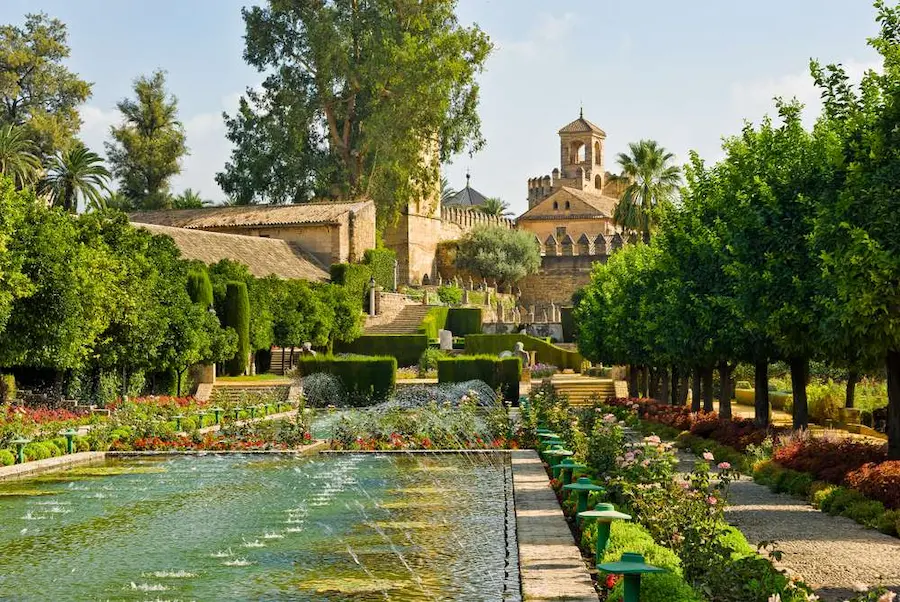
36	451
366	379
660	586
450	294
61	444
840	499
499	373
82	444
735	541
199	287
463	321
7	458
405	348
381	265
824	400
888	522
434	321
546	353
864	512
820	491
429	360
237	316
354	277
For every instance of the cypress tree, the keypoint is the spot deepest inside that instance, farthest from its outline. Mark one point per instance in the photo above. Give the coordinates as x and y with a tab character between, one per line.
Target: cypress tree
237	316
199	287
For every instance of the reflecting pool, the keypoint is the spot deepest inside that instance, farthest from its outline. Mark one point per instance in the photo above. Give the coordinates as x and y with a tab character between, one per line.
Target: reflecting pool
264	527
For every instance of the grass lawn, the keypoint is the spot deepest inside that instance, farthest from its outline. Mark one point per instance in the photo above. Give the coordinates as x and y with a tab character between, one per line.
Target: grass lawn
251	379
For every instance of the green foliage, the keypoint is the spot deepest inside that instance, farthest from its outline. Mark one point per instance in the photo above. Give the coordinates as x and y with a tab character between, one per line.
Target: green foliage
14	284
7	458
147	148
463	321
651	184
434	321
499	253
200	287
355	277
76	173
367	380
498	373
18	158
237	317
450	294
381	261
547	353
429	359
38	92
405	348
329	119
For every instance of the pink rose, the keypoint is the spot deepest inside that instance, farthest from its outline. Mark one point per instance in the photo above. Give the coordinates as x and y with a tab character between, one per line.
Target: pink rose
724	465
708	456
711	500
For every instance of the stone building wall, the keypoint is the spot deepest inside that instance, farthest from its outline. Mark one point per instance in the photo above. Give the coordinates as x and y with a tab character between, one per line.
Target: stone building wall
559	278
322	241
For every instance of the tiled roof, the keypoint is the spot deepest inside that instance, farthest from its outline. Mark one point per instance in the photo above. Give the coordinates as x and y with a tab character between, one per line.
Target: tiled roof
264	256
604	206
582	125
467	197
248	215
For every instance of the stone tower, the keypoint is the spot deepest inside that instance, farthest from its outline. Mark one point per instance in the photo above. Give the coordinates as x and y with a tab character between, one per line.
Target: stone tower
581	162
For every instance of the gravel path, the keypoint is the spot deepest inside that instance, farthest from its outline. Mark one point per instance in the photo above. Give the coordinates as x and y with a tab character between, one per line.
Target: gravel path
833	554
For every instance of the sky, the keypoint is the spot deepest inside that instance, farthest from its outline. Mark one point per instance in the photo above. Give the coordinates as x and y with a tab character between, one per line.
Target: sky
683	73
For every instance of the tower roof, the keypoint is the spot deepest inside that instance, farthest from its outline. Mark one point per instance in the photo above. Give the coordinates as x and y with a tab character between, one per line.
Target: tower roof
582	125
467	197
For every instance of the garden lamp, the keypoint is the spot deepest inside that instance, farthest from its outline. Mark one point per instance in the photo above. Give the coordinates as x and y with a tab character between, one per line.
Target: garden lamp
604	514
631	566
582	487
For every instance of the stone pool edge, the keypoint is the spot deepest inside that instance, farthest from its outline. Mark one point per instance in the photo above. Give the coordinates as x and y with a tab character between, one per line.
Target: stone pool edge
550	564
39	467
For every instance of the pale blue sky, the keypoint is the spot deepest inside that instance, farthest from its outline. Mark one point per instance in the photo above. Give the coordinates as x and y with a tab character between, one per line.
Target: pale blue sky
684	73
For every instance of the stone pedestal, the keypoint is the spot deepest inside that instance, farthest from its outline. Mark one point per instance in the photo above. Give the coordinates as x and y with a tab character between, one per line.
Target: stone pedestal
446	340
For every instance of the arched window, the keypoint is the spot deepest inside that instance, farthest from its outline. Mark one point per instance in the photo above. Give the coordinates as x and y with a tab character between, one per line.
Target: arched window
597	153
576	152
555	206
568	205
598	181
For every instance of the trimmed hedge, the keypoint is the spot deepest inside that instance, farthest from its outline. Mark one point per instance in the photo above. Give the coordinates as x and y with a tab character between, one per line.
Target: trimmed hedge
567	317
463	321
354	277
381	265
237	316
434	320
502	373
366	379
199	287
405	348
547	353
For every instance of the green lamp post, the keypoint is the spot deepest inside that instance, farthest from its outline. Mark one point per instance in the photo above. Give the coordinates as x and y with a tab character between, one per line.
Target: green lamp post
178	418
217	411
546	434
200	416
582	487
20	443
604	514
554	456
565	470
237	414
543	452
631	566
70	440
252	412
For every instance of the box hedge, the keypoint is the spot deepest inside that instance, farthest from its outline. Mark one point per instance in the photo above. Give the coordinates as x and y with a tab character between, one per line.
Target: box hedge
463	321
366	379
434	321
237	316
354	277
381	265
498	373
405	348
547	353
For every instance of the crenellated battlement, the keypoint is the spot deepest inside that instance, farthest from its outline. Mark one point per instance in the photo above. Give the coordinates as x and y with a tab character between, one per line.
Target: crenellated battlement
469	218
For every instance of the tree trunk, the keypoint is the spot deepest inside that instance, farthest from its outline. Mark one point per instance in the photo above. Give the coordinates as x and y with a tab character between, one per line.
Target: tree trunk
675	398
725	390
683	387
283	371
664	385
706	378
653	388
893	419
178	386
852	378
632	381
799	378
695	389
761	394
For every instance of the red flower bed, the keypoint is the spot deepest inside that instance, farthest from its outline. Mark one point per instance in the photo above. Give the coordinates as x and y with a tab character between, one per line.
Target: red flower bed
40	415
738	433
829	460
878	482
162	401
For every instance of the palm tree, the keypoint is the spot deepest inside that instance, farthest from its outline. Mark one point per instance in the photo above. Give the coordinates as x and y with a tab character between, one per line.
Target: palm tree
190	199
77	172
17	156
446	191
651	183
117	200
495	206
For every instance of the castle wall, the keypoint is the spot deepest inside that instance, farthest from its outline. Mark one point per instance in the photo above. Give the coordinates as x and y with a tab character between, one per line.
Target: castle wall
559	278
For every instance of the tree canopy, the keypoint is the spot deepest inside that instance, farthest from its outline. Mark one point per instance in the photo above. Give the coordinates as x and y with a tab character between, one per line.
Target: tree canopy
499	253
362	97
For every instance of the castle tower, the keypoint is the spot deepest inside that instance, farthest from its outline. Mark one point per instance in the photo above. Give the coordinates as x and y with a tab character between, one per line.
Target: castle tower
581	162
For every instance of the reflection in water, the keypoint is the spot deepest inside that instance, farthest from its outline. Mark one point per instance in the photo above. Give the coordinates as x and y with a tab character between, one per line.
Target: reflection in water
346	527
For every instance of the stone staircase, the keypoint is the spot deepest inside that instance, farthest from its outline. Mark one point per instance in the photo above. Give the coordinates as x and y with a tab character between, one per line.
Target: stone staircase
583	390
227	392
406	322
